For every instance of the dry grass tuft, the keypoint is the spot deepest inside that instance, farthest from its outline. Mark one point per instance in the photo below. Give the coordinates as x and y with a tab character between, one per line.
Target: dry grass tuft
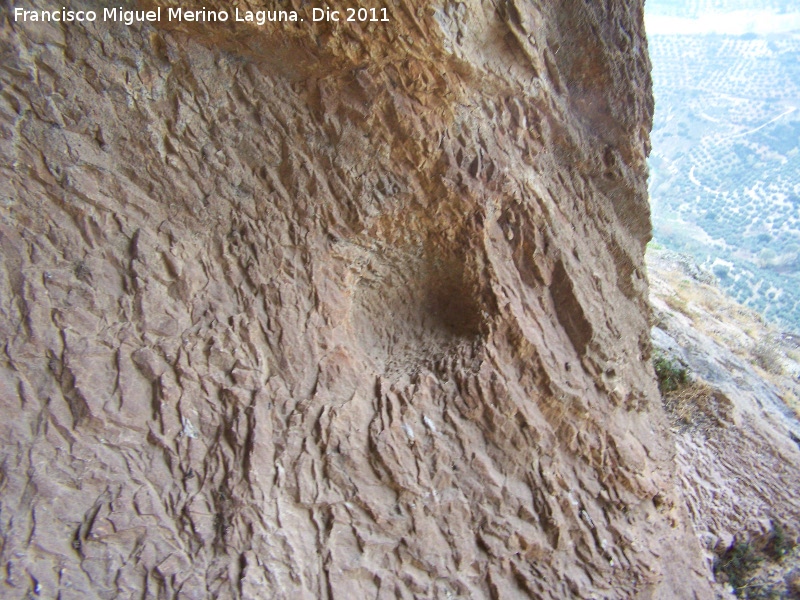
767	356
698	406
774	354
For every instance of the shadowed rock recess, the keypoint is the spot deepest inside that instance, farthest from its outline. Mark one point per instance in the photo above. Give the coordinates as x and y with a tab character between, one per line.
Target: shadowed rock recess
333	310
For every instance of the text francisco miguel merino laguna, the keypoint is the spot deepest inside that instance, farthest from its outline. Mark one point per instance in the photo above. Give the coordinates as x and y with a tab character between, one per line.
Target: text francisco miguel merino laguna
202	15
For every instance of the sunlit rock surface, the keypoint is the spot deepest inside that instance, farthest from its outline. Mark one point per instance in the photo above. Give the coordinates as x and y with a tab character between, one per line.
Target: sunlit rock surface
333	310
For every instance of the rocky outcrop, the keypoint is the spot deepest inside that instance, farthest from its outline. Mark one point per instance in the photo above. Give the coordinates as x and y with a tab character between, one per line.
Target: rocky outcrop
737	438
333	309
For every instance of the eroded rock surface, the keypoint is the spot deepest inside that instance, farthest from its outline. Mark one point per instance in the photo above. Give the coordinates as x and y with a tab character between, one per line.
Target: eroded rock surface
330	310
737	440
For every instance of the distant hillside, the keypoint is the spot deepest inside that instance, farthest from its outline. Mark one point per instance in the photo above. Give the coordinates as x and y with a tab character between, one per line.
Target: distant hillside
696	8
725	167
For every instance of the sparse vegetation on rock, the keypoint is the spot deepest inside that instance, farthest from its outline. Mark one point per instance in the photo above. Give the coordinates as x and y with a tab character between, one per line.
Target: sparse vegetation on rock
736	428
756	568
737	565
767	356
670	373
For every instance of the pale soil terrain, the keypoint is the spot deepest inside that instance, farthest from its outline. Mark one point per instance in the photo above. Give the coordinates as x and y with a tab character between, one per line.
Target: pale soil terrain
736	422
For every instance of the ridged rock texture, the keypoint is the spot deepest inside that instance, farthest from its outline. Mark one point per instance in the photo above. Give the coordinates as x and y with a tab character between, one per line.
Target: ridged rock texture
333	310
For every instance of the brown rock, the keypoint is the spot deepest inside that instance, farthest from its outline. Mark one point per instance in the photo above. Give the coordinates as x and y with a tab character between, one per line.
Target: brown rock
333	310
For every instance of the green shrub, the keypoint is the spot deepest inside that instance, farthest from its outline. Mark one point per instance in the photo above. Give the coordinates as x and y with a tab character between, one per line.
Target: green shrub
671	374
780	542
738	564
767	356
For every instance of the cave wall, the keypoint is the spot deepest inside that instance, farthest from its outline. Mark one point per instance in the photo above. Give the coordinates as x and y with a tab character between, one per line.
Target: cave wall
324	310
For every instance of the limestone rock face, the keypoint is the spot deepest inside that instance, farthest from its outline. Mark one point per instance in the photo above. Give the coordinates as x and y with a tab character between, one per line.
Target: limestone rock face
333	310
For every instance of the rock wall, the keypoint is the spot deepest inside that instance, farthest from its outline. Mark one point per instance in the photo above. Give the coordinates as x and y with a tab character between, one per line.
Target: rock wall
329	310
